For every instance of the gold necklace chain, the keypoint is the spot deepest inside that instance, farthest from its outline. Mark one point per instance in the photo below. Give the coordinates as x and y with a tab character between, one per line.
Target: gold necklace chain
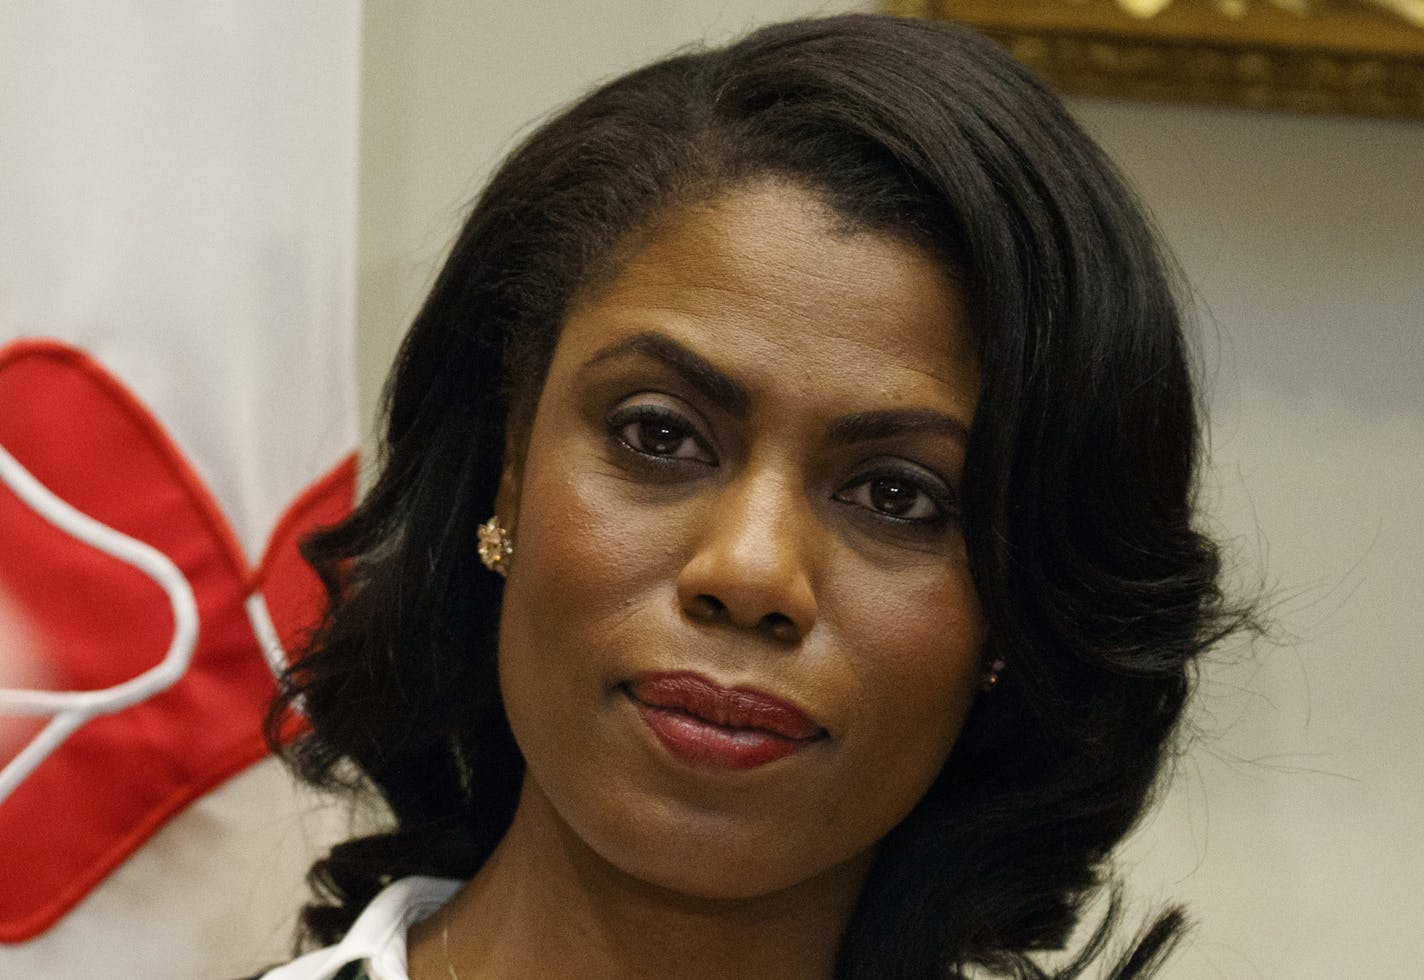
445	945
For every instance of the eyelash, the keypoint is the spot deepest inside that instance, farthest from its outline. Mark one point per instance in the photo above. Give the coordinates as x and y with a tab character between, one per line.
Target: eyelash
639	415
940	497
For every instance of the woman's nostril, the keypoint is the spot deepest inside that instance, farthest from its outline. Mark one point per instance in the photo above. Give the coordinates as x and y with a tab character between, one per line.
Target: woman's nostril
707	607
780	626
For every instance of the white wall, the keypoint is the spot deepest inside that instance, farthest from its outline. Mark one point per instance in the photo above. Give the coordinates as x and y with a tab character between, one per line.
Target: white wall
1290	829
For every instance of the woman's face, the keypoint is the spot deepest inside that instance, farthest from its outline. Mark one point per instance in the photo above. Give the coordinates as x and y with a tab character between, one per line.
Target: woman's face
739	635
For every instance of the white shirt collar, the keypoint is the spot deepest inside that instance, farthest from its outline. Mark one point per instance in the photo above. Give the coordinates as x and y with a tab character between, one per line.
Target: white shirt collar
378	935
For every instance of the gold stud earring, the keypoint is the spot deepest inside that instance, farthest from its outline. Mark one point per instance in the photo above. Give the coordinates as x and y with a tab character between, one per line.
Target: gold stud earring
495	546
992	677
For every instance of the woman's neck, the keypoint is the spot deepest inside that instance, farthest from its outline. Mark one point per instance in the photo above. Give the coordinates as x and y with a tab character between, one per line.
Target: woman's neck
545	904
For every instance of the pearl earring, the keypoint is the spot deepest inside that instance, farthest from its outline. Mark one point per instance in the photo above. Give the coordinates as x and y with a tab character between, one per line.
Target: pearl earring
495	547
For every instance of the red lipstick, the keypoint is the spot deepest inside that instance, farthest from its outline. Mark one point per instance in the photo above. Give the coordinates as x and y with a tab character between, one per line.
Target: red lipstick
703	723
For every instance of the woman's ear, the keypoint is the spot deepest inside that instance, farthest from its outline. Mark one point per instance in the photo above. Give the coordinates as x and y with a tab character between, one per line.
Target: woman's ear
506	499
497	534
511	476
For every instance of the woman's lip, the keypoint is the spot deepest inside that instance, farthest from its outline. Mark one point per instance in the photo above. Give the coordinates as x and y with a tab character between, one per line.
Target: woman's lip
701	743
740	709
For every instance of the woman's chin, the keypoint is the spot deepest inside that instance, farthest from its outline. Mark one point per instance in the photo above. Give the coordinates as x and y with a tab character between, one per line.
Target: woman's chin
641	836
713	857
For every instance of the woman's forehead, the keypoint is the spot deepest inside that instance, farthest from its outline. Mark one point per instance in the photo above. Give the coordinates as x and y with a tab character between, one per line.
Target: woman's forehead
768	280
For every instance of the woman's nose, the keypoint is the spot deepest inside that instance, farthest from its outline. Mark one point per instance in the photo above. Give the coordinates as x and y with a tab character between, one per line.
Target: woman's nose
749	566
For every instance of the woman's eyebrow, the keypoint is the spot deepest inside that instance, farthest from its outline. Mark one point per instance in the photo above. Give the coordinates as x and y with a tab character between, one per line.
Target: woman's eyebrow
865	426
696	370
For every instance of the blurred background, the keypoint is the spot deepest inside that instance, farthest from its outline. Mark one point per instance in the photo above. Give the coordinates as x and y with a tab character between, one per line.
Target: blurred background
1290	825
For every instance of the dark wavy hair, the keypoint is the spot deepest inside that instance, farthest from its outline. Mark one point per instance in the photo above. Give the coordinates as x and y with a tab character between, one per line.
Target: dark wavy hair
1098	589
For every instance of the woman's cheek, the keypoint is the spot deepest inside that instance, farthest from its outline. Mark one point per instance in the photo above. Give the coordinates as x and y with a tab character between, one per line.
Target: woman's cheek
586	550
916	649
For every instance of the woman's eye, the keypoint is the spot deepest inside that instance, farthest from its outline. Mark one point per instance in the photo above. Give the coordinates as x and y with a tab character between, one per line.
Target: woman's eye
897	496
658	432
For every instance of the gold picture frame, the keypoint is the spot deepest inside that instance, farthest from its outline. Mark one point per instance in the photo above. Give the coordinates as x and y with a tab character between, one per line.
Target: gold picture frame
1358	57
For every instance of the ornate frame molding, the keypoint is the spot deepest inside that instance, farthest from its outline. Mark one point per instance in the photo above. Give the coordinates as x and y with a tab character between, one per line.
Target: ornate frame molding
1343	57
